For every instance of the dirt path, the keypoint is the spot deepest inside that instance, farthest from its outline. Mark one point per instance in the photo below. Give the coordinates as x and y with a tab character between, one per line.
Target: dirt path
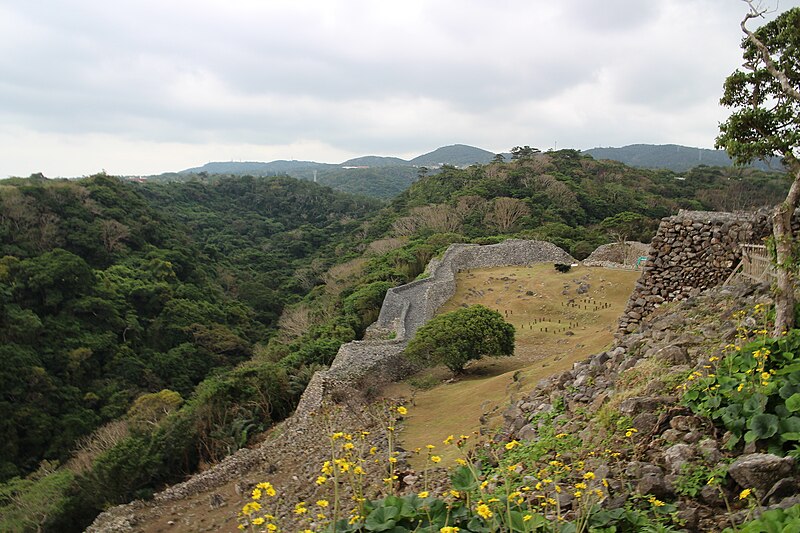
559	319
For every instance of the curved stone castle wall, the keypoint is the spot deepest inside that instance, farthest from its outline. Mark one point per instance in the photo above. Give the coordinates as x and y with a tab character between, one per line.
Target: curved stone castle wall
405	309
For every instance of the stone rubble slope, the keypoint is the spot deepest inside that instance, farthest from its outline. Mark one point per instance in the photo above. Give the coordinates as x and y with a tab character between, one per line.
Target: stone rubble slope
638	378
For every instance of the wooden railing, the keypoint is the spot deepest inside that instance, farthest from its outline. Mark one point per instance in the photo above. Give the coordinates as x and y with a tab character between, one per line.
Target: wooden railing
755	265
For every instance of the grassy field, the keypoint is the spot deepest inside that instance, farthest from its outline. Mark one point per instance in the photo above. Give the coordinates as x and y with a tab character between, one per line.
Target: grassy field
559	319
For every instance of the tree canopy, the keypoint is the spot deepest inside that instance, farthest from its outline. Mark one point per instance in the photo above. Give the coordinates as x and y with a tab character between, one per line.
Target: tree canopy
453	339
765	98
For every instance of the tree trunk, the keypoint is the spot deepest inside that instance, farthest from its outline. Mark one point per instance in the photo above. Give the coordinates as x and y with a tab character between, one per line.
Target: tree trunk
785	267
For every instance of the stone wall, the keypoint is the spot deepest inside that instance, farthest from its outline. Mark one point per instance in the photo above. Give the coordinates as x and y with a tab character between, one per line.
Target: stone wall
618	255
407	307
691	251
362	365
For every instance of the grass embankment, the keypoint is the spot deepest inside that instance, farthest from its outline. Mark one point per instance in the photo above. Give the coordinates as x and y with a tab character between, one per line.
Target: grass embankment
559	319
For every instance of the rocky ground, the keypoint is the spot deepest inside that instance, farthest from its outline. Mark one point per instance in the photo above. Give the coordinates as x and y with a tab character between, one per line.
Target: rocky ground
668	453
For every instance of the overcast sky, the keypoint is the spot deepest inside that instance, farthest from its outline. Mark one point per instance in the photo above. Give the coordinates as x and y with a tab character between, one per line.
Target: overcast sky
148	86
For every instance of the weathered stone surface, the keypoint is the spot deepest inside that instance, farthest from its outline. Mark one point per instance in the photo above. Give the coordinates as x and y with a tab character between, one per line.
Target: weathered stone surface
760	471
653	483
678	455
691	251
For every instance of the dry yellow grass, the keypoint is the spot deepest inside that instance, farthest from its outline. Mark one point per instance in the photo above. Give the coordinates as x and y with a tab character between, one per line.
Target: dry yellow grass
556	325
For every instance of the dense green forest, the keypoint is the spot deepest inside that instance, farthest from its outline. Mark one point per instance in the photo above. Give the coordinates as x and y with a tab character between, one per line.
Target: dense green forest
145	329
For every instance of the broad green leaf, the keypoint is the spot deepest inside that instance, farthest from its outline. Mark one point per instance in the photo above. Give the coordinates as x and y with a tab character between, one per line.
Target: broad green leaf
764	425
793	402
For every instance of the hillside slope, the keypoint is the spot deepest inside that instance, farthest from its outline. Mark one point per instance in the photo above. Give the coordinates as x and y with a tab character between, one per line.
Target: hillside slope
615	417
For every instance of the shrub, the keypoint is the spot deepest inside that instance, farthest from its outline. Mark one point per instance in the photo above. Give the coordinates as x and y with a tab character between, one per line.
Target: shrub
754	390
455	338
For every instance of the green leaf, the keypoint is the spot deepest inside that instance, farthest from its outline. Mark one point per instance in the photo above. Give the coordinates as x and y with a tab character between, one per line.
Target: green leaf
794	367
463	480
764	426
792	435
754	405
793	402
381	519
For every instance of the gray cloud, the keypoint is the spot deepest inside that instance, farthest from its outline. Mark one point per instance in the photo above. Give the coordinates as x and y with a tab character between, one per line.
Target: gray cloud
179	80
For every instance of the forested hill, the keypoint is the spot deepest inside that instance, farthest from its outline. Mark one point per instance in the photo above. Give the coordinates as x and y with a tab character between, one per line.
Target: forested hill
138	322
670	156
111	292
375	176
573	200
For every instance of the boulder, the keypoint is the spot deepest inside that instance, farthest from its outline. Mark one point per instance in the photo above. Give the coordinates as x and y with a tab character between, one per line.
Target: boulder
760	471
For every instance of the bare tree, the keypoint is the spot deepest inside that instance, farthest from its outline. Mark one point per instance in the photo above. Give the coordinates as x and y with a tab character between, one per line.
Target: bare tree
465	205
439	218
113	233
506	211
404	226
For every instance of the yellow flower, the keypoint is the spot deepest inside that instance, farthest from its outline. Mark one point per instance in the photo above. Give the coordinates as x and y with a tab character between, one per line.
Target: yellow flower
448	440
449	529
402	410
745	493
423	494
430	446
461	462
561	435
392	460
322	503
580	485
300	508
250	508
258	521
484	511
577	493
589	475
256	494
527	517
373	450
454	493
435	458
321	480
655	502
631	431
512	444
348	446
272	527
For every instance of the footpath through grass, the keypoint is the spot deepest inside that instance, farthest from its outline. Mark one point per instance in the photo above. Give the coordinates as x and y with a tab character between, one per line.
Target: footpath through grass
559	319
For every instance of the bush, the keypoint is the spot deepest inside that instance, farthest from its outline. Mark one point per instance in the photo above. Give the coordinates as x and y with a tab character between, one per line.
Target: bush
754	390
455	338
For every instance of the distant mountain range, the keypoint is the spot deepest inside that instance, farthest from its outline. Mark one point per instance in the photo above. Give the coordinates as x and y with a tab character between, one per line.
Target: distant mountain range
457	155
670	156
385	177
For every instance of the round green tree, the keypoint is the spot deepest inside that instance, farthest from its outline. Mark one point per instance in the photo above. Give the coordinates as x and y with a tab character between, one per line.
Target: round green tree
455	338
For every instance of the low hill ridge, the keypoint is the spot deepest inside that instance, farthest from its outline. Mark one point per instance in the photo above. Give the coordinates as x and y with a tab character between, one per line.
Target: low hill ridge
673	157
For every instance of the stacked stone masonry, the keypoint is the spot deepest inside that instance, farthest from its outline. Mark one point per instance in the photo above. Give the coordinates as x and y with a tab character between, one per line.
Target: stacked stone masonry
691	252
405	309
